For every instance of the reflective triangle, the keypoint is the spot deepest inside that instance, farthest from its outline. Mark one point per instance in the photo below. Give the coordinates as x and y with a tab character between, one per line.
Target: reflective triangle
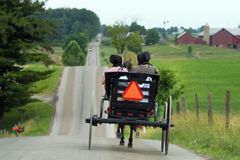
133	92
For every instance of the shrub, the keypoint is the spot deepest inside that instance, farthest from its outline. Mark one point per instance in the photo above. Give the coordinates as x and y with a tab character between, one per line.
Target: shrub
189	50
168	85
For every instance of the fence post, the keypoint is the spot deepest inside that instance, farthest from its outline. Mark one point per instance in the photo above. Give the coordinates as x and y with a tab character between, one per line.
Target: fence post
184	104
37	118
197	106
4	132
227	113
210	109
177	108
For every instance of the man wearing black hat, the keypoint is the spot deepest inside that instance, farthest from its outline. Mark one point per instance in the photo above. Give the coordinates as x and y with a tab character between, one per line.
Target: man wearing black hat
144	66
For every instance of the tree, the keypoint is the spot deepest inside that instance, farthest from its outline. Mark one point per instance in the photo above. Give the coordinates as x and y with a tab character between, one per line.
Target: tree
134	27
103	30
20	34
81	39
168	85
118	33
190	30
152	37
134	42
73	54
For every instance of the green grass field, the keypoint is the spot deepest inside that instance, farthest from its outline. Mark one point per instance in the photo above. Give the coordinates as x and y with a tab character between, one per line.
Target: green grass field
214	72
208	76
198	52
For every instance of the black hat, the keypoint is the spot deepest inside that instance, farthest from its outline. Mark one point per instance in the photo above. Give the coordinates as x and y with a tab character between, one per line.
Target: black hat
116	60
147	56
141	58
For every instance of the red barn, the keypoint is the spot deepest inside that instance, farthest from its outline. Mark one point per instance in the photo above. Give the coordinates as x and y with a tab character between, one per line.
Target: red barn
227	38
186	38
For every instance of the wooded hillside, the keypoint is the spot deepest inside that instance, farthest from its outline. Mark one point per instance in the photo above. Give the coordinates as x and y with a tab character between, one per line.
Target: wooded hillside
71	22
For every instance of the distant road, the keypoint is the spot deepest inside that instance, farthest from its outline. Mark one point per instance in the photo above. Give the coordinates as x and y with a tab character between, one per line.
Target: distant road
68	139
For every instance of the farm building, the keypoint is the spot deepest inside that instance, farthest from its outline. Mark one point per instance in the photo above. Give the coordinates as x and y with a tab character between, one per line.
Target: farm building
186	38
221	37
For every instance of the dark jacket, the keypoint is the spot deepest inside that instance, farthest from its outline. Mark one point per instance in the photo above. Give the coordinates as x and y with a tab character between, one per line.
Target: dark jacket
145	68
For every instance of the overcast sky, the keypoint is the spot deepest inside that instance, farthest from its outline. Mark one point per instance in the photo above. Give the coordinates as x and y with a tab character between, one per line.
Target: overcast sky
152	13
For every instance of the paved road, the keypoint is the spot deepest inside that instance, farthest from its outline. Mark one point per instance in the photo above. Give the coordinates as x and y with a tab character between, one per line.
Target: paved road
68	139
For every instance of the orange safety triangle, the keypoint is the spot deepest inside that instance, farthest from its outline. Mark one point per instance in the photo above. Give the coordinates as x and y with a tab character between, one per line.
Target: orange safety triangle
133	92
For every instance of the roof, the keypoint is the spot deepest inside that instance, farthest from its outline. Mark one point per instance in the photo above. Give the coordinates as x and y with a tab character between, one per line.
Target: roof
233	31
180	35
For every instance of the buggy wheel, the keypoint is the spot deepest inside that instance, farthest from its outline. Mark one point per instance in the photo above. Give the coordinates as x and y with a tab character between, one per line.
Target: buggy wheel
164	128
166	141
169	108
90	133
91	124
162	140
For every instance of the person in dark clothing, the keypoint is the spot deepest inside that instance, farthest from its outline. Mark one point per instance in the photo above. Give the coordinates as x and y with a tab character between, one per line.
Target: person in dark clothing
144	66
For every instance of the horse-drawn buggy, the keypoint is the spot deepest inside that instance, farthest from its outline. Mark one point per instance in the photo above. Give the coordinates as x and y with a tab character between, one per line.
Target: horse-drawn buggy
132	101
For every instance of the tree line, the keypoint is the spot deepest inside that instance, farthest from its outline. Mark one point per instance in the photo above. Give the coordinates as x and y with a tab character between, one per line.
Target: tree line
148	36
74	30
71	22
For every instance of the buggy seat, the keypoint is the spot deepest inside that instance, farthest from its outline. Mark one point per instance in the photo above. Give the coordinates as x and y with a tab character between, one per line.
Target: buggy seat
117	82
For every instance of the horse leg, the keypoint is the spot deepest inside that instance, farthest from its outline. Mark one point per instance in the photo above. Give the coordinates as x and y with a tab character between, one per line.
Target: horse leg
130	140
118	134
122	135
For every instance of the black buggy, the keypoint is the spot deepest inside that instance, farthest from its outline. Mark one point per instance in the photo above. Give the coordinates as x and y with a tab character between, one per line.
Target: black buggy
142	112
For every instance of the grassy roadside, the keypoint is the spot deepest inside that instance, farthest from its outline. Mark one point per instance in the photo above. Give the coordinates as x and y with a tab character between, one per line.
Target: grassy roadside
213	141
47	86
36	116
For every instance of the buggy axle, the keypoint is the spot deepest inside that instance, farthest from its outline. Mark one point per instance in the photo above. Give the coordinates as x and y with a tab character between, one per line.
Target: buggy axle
126	121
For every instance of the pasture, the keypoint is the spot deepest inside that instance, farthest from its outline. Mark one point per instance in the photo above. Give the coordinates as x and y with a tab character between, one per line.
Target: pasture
208	70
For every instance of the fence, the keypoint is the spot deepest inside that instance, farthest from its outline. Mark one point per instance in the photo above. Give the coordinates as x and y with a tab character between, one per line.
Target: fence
4	132
209	108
